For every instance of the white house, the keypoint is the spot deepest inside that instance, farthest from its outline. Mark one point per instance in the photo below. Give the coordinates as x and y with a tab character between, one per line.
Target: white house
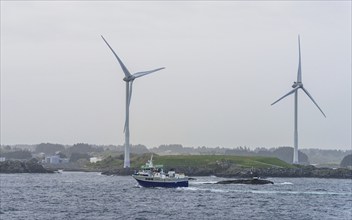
94	159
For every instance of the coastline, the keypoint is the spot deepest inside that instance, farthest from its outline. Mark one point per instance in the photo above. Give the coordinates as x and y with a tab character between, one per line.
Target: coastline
297	171
16	166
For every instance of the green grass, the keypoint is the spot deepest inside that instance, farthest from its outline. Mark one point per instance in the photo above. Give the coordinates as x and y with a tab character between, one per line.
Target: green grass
197	161
208	160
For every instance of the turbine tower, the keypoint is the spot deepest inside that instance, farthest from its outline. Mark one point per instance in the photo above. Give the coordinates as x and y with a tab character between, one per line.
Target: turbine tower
296	86
129	78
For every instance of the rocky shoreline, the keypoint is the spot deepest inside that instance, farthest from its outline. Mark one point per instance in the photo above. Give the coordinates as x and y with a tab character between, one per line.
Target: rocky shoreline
298	171
295	172
15	166
32	166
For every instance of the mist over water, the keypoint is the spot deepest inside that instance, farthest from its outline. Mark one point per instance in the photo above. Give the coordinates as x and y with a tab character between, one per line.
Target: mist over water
78	195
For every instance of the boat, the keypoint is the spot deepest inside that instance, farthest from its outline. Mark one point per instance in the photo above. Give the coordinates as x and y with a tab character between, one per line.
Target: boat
152	175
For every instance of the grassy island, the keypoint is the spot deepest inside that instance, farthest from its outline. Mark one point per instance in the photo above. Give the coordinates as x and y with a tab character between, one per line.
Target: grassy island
220	165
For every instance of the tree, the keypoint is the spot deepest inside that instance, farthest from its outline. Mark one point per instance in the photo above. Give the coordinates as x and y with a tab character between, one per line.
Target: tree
139	149
49	148
346	161
61	155
7	148
77	156
80	148
286	154
20	154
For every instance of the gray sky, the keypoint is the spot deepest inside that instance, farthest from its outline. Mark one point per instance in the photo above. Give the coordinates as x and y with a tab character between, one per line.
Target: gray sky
226	62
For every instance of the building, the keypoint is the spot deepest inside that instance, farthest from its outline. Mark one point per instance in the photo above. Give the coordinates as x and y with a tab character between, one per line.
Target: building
94	159
56	159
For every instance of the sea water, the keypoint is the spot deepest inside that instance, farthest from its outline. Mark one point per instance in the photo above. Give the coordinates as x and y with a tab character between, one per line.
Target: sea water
79	195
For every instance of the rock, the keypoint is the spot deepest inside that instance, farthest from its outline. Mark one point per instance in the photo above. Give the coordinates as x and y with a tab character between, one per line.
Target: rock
253	181
15	166
297	171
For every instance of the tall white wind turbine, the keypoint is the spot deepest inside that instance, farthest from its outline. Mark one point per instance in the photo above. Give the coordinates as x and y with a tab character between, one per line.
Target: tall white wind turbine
129	78
296	86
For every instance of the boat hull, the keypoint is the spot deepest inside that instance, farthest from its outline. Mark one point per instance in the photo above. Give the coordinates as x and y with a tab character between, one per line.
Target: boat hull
159	182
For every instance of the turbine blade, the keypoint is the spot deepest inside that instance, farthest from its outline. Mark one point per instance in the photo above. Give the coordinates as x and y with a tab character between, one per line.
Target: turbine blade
125	70
289	93
313	101
139	74
299	73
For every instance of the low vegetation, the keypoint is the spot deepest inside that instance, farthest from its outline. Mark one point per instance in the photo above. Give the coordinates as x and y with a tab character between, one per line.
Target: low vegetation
219	160
194	161
222	166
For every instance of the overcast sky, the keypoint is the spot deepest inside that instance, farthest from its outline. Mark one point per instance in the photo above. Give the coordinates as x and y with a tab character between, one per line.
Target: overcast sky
226	62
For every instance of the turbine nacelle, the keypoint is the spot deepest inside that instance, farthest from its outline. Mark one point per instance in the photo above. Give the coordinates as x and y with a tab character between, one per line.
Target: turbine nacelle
297	84
129	78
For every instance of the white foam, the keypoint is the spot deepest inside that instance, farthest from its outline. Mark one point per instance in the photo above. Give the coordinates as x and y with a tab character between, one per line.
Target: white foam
199	183
298	192
285	183
203	189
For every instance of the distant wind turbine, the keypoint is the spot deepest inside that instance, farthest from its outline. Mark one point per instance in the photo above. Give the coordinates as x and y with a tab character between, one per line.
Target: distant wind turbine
129	78
296	86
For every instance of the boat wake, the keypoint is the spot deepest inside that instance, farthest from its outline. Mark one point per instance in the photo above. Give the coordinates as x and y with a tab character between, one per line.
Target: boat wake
203	189
194	188
285	183
204	182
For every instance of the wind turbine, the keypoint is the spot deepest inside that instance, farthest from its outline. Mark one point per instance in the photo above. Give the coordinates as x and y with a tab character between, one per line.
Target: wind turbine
296	86
129	78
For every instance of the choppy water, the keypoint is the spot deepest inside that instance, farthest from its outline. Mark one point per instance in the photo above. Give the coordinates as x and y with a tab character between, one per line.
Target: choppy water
76	195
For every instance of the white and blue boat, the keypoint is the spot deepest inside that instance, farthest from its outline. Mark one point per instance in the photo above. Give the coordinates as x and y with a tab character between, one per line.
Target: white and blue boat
152	175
